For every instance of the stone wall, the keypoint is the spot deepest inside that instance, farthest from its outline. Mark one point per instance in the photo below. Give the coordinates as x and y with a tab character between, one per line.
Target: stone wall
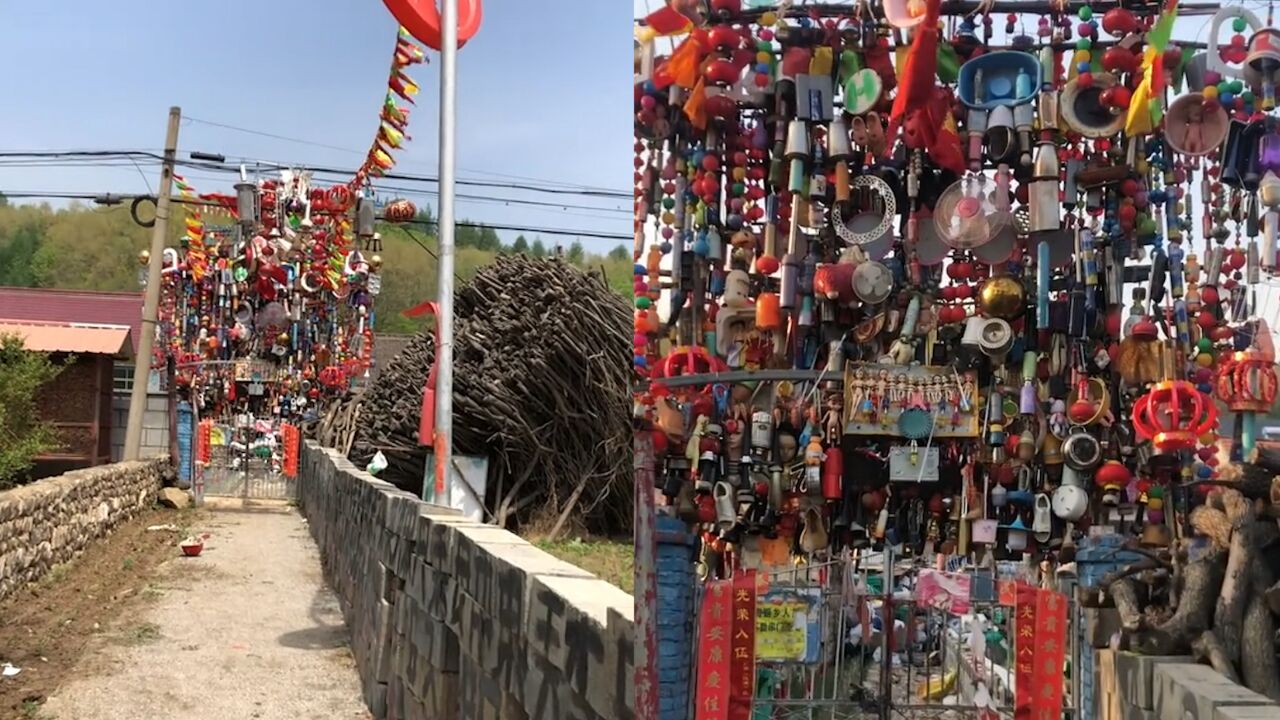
455	620
1143	687
50	521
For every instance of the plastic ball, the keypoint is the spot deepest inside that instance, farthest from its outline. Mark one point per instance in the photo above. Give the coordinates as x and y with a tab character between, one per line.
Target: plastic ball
1083	67
1204	472
1204	359
1084	79
644	303
1210	92
767	264
1086	13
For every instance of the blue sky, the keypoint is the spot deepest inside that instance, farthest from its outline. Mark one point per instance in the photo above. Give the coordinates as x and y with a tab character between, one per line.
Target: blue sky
542	93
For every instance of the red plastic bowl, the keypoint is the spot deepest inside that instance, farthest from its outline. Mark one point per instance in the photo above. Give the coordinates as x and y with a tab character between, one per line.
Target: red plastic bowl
192	549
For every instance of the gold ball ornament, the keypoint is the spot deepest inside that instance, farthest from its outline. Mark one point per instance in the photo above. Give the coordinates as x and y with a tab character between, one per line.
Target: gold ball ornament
144	257
375	263
1002	297
283	338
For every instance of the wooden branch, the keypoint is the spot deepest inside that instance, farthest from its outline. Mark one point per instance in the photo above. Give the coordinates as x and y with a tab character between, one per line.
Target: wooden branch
1208	648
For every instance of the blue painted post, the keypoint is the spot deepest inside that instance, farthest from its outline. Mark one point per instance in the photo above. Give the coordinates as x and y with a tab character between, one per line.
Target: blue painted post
676	583
1095	557
186	433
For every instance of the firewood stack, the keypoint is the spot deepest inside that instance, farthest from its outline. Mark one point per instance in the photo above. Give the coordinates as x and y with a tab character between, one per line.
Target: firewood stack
1215	595
541	387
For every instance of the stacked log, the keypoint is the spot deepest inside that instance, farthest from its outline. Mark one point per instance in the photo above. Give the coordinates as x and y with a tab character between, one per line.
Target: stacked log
541	387
1214	594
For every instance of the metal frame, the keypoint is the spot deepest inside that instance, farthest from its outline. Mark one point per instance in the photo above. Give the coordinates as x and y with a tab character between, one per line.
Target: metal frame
850	681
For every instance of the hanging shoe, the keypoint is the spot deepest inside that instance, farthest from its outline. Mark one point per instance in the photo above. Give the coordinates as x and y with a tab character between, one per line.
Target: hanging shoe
814	536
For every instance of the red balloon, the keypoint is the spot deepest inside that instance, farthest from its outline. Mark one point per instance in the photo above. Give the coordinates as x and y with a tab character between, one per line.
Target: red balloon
422	19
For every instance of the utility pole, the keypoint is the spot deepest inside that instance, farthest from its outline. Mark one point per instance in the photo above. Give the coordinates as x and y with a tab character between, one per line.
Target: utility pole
151	303
443	444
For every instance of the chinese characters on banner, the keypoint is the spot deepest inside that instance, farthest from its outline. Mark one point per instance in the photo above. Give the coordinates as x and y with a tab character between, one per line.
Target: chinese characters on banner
1051	641
742	670
1024	625
1041	627
715	629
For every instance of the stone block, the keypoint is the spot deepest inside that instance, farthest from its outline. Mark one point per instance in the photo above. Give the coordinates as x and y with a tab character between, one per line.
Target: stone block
568	621
1131	712
1247	712
1135	678
1185	691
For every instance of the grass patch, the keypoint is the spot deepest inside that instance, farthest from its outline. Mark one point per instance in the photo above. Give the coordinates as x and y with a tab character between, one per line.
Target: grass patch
141	634
57	573
610	560
31	710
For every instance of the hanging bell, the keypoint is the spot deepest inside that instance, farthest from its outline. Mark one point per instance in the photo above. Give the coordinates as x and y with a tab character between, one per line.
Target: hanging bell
1264	53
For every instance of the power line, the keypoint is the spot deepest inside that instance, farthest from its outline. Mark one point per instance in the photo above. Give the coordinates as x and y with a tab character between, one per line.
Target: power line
300	141
269	165
111	198
128	162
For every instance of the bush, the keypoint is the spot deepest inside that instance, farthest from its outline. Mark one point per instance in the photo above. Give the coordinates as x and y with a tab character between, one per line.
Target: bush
23	435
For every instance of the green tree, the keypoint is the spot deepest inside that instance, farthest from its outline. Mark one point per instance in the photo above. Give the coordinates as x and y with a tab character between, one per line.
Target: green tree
619	253
520	245
24	434
538	249
576	254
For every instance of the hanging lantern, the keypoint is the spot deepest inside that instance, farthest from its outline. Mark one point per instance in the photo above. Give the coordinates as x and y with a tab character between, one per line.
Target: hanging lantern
1173	415
1112	477
400	211
1246	382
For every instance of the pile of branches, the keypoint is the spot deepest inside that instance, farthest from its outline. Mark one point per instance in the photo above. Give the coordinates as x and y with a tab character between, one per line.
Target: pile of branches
1217	600
541	388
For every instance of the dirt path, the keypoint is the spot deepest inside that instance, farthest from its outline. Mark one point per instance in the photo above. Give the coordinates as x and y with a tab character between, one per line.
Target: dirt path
247	630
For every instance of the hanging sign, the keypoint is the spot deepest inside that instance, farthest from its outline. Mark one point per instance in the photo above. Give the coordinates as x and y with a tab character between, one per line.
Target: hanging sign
1024	648
787	625
742	666
715	629
1050	655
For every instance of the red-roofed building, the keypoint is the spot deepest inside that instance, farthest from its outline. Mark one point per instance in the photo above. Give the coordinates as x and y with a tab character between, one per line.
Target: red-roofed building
74	306
103	330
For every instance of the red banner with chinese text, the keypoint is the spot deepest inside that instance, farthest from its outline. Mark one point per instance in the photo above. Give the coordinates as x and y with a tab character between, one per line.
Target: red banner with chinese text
715	629
1051	642
742	666
1024	670
291	437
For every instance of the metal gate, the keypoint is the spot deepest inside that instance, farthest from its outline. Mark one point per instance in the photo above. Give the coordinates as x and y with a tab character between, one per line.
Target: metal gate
889	653
244	460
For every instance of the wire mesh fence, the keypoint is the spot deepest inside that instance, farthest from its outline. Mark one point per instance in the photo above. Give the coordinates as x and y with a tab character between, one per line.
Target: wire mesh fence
884	647
245	463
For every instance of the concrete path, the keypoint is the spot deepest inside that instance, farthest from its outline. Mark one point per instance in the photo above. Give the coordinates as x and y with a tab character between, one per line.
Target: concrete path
246	630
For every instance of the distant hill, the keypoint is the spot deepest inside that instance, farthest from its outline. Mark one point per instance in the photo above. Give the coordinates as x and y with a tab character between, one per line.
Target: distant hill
91	248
